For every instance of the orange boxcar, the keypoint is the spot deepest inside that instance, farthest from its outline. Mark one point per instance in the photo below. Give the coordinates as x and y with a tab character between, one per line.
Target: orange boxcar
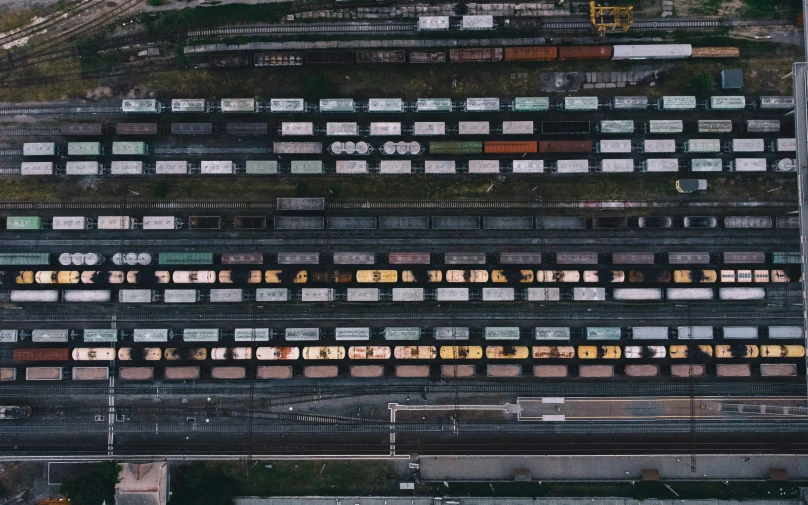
565	146
535	53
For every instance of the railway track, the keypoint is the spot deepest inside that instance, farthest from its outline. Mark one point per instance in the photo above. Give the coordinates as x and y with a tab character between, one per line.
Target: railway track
438	204
322	390
309	28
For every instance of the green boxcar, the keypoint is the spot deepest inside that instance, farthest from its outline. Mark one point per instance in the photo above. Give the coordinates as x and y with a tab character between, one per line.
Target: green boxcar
789	258
448	147
602	333
84	149
531	103
17	259
185	258
129	148
23	223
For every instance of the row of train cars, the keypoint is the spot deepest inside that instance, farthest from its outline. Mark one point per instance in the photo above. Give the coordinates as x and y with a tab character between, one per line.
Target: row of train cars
154	223
520	54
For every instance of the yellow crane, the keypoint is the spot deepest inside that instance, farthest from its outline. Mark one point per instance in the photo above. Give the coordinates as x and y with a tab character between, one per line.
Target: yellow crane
610	19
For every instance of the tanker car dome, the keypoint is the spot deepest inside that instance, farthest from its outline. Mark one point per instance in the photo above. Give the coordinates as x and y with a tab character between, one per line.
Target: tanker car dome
389	148
350	147
361	147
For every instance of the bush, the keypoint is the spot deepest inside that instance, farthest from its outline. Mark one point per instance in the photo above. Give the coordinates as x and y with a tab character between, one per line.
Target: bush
95	488
702	84
156	3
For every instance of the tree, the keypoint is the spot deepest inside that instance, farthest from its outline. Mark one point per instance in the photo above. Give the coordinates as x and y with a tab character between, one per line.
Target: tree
94	488
702	84
197	484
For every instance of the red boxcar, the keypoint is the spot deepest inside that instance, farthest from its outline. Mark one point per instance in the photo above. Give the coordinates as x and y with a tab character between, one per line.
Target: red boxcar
50	354
584	52
565	146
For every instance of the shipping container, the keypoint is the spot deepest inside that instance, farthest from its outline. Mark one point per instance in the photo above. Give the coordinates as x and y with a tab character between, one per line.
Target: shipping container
762	125
89	129
8	336
629	258
246	128
160	223
433	105
565	146
129	148
116	223
481	22
298	223
216	167
527	166
39	149
706	165
481	105
385	104
429	128
665	126
456	147
535	53
251	334
649	333
786	332
135	296
740	332
473	128
637	294
690	293
660	165
279	59
380	129
630	103
451	333
517	128
28	259
352	167
171	167
36	168
741	293
784	145
572	166
189	105
747	145
616	126
584	52
238	105
297	147
428	57
136	129
433	23
744	257
789	258
652	51
483	166
23	223
329	57
617	166
748	222
185	258
543	294
571	258
452	294
531	104
589	294
141	106
677	103
748	165
337	105
560	223
381	56
82	168
476	55
614	146
694	332
402	333
43	373
659	146
70	223
352	334
126	167
602	333
341	129
714	126
702	146
581	103
726	103
552	333
282	105
777	102
49	336
508	146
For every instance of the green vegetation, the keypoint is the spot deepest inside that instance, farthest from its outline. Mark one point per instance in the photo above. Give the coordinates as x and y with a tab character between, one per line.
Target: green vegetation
761	9
171	20
202	484
318	86
2	490
157	3
638	490
307	478
706	8
513	187
95	488
702	84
